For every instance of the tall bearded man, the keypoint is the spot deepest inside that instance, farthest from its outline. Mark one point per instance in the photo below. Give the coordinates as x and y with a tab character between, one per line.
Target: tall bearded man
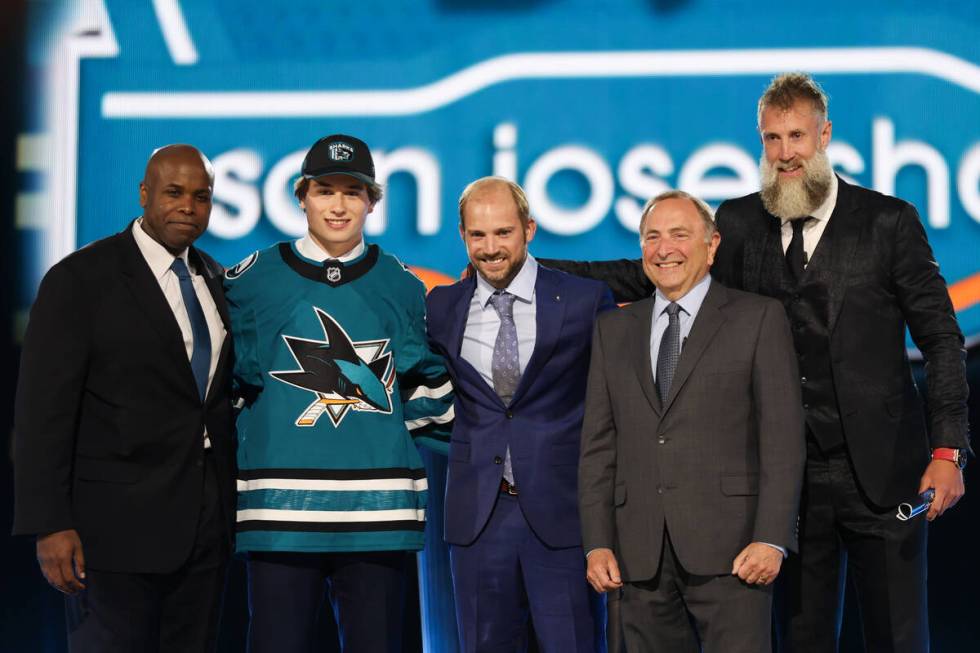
853	269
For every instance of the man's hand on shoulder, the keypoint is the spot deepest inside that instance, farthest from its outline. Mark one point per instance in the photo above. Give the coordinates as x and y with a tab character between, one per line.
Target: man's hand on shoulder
62	561
946	478
758	564
603	570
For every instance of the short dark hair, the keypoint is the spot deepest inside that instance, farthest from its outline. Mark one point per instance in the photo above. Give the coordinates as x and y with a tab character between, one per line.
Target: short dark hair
302	186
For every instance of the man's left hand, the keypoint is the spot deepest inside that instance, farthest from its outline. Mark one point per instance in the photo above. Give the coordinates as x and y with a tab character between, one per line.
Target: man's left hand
758	564
946	478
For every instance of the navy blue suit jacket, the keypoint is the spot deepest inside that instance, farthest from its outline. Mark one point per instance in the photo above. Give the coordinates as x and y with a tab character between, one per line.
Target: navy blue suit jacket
543	423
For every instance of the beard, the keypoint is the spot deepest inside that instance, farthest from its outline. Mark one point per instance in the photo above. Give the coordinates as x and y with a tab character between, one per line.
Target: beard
793	198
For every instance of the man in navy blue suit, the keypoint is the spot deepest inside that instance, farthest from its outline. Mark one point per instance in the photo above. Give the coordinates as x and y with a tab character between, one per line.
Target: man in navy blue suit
517	339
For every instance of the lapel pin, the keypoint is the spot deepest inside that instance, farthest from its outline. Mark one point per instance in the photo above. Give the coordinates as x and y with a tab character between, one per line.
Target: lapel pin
557	298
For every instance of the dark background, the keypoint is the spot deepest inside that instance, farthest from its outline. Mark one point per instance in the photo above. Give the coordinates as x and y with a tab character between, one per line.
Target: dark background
31	613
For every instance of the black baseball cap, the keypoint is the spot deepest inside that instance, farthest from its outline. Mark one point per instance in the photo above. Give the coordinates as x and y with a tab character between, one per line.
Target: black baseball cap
339	154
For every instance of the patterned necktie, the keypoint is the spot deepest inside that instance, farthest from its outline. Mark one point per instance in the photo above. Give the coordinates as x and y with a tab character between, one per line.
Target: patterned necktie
505	366
670	351
795	254
201	352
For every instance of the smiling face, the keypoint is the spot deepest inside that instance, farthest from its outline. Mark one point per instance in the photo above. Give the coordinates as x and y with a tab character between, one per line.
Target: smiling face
795	171
336	207
176	197
496	240
677	250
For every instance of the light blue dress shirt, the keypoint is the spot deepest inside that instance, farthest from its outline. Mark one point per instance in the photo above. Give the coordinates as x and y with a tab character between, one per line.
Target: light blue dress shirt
482	324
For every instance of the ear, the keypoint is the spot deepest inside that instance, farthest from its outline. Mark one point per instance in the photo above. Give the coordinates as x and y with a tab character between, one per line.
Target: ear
825	134
713	247
143	194
530	230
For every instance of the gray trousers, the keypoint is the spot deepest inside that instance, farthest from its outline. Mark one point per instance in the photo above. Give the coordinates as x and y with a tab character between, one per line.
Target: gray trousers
679	612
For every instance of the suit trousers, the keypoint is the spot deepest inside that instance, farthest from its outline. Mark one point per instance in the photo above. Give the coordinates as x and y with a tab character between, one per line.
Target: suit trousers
679	612
285	599
176	612
507	573
841	531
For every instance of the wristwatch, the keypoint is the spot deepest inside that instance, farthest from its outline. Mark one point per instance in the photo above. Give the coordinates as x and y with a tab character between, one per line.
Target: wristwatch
955	456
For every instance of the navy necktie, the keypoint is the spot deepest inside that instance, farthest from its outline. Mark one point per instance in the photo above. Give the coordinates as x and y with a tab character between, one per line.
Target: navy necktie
670	351
505	365
201	353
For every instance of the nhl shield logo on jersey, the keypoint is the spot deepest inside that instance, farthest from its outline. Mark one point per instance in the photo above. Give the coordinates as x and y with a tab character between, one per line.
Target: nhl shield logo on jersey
342	374
333	274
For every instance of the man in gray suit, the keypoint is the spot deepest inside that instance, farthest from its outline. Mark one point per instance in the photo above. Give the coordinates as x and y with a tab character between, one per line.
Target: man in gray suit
692	456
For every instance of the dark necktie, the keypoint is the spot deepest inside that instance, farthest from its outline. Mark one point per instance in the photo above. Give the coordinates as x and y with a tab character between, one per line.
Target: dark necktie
795	254
670	351
505	367
201	352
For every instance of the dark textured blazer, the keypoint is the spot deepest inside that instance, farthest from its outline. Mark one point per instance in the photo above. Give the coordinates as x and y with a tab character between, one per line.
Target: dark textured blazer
108	424
720	464
879	276
543	422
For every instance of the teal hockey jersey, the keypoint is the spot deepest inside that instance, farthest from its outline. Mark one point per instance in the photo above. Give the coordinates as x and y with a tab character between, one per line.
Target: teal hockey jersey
338	386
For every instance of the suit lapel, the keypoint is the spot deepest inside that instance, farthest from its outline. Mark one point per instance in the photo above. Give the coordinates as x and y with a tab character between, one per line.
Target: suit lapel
549	315
708	320
842	233
642	311
148	296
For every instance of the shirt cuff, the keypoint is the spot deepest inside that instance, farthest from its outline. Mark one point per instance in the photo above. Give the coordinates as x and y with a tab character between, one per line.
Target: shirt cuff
777	547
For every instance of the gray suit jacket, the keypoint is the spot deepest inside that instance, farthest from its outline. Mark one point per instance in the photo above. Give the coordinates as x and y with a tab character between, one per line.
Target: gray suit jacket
720	465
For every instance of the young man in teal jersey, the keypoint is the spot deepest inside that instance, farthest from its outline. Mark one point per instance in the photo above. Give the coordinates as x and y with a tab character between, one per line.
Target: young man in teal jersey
339	385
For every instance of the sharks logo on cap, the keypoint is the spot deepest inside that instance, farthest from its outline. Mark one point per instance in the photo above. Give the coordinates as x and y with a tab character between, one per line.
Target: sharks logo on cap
342	374
340	151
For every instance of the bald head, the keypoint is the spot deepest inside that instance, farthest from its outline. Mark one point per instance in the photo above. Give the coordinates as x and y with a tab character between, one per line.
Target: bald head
495	187
177	153
176	196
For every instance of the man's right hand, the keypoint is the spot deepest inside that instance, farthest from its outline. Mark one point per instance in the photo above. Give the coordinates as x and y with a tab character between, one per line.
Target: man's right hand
62	561
603	571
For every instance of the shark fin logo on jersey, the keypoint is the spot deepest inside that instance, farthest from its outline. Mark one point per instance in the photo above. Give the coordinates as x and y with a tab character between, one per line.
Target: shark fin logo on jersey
342	374
242	266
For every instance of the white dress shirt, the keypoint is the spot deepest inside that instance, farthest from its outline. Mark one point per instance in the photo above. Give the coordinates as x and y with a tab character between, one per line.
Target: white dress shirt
309	248
159	260
812	229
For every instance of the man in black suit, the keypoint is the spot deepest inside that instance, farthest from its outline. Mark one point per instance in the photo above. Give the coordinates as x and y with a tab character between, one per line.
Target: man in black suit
853	269
123	435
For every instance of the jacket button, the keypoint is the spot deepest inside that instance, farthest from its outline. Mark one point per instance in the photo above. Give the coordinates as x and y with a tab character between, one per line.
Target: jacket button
806	406
660	490
803	380
510	415
661	440
497	460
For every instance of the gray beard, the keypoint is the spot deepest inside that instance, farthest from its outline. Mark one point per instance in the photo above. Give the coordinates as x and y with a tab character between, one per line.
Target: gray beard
791	199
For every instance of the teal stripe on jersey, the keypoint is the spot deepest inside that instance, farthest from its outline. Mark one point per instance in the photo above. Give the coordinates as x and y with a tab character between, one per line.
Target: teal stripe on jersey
331	500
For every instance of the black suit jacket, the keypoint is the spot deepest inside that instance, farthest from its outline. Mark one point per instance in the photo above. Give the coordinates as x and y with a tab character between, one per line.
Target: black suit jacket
880	277
108	425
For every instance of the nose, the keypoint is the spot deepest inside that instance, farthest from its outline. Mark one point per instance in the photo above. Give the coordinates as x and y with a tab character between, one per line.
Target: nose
786	152
338	204
664	248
